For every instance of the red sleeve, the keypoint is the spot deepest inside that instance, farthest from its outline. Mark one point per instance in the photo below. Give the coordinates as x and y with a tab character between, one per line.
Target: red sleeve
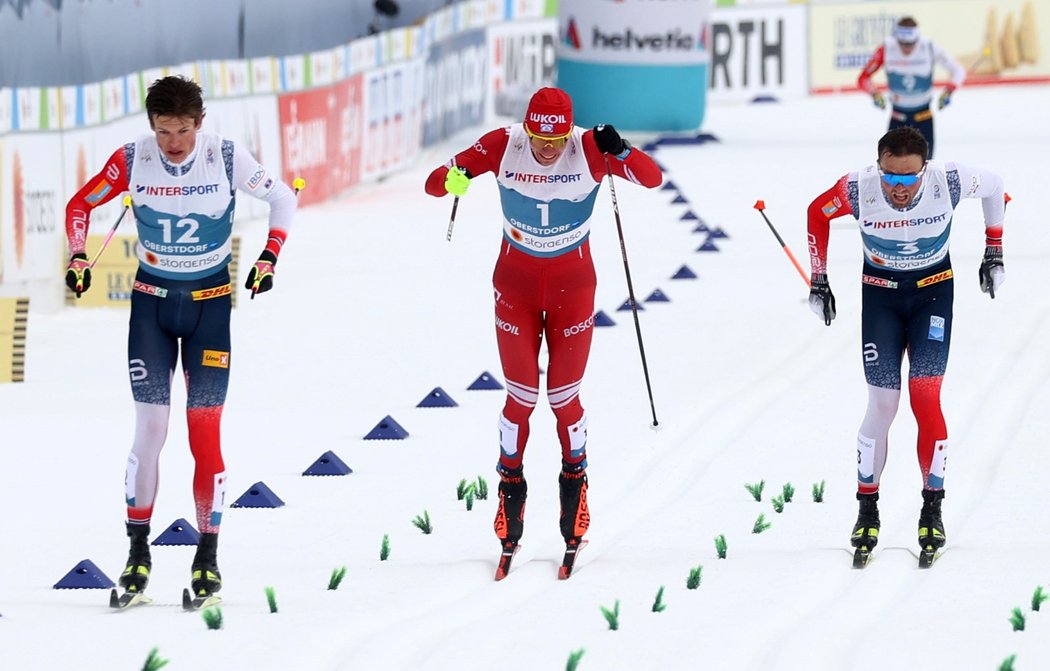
484	156
638	167
874	63
831	204
102	188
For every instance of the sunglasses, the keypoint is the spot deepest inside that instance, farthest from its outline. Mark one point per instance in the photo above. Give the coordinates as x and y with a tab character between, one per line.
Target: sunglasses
553	141
907	179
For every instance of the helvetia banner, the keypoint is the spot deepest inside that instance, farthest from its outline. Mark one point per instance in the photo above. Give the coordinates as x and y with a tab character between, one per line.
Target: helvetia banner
637	64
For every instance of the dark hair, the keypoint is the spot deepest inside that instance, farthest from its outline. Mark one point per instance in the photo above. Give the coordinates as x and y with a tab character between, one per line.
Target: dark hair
907	22
174	96
902	142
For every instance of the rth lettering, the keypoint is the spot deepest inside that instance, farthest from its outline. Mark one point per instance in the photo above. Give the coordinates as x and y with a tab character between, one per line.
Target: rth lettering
722	51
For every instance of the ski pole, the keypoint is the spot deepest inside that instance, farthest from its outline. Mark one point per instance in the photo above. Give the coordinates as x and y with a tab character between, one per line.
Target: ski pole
761	207
112	230
630	292
452	220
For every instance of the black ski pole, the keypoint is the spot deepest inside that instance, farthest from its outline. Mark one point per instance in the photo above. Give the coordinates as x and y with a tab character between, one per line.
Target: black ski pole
630	292
452	219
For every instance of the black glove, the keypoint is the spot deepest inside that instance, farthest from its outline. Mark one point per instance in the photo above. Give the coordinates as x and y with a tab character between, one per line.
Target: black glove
991	273
260	277
821	300
608	140
78	274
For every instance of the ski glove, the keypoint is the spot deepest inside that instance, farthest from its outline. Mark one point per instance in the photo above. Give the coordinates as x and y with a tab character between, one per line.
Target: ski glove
945	99
260	277
991	273
879	100
78	274
457	181
821	300
610	142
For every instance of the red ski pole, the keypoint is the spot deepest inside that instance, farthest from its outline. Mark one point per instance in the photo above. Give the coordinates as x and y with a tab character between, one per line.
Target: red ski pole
761	207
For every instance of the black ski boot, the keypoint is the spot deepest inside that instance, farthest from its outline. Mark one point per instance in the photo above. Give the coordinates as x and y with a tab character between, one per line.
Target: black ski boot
136	572
866	531
931	528
572	489
206	579
510	515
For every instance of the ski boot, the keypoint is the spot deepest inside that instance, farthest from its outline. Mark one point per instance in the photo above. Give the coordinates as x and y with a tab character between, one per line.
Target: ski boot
510	518
931	528
866	531
206	579
575	515
136	573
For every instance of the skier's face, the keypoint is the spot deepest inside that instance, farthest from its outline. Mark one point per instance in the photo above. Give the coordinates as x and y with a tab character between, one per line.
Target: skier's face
901	177
546	150
177	136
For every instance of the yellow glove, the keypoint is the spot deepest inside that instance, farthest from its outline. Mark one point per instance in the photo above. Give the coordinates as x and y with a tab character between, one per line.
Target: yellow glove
945	99
457	181
879	100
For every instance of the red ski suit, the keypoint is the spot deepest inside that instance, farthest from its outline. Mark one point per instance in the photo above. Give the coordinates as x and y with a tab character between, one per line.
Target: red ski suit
544	279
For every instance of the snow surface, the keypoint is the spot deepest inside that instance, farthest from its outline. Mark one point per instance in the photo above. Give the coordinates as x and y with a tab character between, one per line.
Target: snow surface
372	309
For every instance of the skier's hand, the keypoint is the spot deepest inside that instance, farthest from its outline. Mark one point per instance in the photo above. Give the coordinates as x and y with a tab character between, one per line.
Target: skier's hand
78	274
879	100
946	98
609	141
457	181
991	273
260	277
821	300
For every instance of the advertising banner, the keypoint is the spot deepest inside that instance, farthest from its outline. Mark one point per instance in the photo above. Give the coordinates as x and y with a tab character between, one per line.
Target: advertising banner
393	117
757	51
995	40
31	207
320	132
652	53
456	82
522	59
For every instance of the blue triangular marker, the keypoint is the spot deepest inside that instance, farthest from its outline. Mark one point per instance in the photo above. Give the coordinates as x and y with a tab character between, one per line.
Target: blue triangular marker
668	186
258	496
684	273
708	246
84	575
437	398
689	216
179	532
602	319
387	429
627	305
679	199
718	233
701	228
657	297
485	381
648	148
764	98
328	464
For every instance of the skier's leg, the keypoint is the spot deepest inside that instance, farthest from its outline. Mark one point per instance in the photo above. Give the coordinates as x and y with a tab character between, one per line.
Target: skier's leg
930	340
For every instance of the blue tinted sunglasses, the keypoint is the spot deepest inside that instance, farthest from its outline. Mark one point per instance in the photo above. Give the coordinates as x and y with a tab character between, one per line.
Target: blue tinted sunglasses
894	179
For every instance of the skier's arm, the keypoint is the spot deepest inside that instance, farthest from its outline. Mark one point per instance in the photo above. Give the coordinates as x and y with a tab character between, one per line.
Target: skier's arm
988	186
625	161
955	69
483	156
102	188
255	180
864	82
831	204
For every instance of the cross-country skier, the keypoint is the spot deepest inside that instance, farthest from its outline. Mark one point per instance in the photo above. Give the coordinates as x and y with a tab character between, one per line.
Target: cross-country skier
548	172
910	60
904	204
183	187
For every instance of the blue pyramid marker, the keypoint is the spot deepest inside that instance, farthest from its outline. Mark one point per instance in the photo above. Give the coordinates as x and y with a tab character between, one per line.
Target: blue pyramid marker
387	429
668	186
657	297
602	319
701	228
328	464
679	199
179	532
627	305
85	575
719	233
708	246
684	273
258	496
437	398
689	216
485	381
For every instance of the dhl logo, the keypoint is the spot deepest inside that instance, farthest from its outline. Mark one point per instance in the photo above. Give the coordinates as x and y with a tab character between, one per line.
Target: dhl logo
214	292
934	279
215	359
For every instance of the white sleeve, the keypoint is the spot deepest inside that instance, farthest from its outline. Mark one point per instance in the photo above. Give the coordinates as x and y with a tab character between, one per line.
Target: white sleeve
957	71
988	186
255	180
